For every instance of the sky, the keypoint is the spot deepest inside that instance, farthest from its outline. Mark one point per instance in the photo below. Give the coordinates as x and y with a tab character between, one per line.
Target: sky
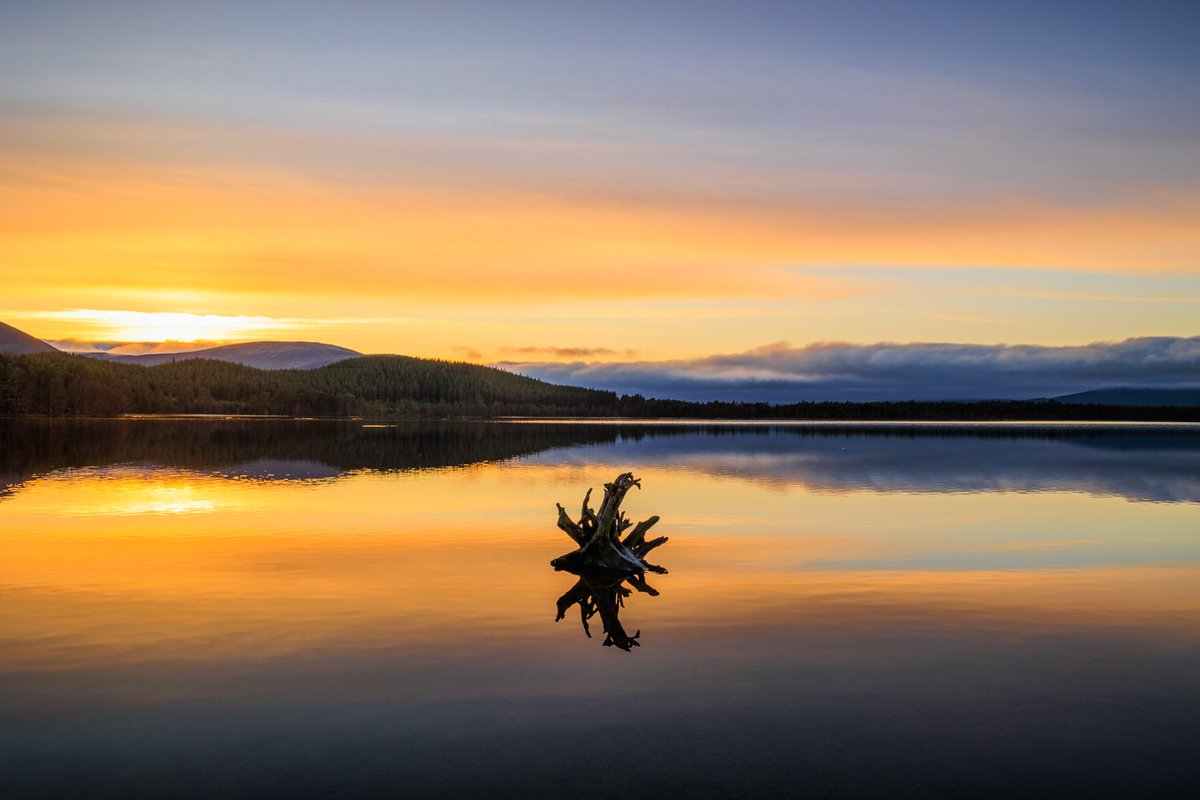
561	186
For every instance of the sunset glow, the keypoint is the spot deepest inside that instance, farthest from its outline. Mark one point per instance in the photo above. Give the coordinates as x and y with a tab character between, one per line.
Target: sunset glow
226	572
350	351
161	326
590	185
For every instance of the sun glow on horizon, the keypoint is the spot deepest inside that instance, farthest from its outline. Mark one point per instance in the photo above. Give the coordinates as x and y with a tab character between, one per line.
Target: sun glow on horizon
166	326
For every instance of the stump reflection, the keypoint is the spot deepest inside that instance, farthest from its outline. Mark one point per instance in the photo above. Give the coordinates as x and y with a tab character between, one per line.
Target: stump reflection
610	568
598	594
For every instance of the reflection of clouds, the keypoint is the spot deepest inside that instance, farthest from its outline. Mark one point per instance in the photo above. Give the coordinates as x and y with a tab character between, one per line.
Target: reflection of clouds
1136	467
1041	555
267	469
1151	465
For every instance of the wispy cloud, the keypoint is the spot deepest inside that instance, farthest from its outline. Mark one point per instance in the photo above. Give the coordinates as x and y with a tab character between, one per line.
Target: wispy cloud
132	348
970	318
1108	298
568	352
469	353
546	351
782	372
104	329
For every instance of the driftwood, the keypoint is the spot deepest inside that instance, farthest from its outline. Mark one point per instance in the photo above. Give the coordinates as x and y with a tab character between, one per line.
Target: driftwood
598	535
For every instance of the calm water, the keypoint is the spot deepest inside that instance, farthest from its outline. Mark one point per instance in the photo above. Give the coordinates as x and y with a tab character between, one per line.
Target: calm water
304	609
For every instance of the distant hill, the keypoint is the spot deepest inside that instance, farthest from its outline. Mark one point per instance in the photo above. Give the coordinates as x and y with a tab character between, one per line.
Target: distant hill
260	355
1134	396
312	379
15	341
65	384
62	385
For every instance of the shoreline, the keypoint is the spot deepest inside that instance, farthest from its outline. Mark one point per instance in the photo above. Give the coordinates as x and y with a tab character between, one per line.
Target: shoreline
1040	424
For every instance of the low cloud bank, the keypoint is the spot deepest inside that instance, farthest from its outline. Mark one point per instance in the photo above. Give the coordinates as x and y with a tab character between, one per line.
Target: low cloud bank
783	373
131	348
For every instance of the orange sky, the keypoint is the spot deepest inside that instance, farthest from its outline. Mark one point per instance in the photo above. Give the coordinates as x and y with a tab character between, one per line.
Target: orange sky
585	184
424	269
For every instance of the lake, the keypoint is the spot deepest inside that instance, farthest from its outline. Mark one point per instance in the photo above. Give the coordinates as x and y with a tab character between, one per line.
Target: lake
218	608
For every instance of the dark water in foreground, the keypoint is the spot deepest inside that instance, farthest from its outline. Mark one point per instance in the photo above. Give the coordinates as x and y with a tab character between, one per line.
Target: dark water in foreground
304	609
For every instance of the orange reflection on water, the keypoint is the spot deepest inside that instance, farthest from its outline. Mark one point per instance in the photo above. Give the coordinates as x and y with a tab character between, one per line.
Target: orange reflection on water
140	564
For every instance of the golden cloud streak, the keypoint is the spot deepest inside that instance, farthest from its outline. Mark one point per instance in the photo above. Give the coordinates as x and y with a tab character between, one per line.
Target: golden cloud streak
226	231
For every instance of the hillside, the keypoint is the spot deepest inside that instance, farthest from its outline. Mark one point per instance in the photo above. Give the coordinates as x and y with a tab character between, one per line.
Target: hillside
15	341
61	384
261	355
1134	396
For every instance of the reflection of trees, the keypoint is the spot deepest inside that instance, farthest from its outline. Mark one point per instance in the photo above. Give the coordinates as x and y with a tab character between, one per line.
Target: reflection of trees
605	595
39	446
1138	463
329	447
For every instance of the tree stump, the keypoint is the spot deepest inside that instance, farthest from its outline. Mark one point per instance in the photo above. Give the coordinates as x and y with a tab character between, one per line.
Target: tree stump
598	535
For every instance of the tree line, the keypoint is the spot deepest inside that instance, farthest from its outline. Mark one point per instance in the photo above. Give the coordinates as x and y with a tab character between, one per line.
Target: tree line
60	384
39	445
64	385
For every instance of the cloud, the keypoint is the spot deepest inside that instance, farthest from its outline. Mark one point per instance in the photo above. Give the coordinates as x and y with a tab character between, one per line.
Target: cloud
469	353
549	351
569	352
781	372
132	348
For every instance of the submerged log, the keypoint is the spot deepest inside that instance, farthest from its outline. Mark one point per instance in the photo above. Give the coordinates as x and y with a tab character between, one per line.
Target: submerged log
598	535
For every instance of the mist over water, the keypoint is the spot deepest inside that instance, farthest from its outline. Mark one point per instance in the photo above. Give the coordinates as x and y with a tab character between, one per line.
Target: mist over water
298	608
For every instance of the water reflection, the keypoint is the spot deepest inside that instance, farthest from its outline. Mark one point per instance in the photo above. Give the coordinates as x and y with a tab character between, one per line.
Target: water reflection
268	449
1140	463
596	593
1144	463
200	610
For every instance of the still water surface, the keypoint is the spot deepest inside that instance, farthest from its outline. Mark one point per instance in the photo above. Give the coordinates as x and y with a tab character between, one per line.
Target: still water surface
314	609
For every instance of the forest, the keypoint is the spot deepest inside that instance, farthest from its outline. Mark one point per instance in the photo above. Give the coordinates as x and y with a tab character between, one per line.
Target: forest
60	384
64	385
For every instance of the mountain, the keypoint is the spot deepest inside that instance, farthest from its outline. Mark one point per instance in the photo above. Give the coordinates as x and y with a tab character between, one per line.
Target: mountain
15	341
1134	396
67	384
260	355
312	379
64	384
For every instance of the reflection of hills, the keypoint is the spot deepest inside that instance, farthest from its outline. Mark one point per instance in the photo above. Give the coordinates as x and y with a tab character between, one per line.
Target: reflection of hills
270	449
275	469
1158	465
